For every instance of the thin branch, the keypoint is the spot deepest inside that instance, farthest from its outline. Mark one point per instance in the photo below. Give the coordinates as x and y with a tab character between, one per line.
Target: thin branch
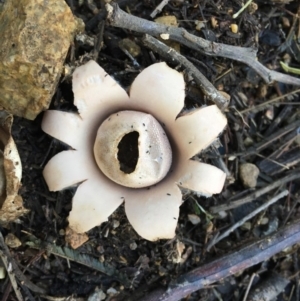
227	265
245	218
205	85
159	8
275	136
249	286
119	18
242	9
258	147
265	104
256	194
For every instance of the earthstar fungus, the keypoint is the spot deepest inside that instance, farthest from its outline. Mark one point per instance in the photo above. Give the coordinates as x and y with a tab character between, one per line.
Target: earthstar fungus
161	143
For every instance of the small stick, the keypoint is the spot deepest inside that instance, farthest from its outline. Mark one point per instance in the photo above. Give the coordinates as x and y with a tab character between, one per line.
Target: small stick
119	18
242	9
263	105
159	8
245	218
254	195
249	286
258	147
205	85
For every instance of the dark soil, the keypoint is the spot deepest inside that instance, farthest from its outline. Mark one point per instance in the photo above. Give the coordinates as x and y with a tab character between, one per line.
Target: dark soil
252	137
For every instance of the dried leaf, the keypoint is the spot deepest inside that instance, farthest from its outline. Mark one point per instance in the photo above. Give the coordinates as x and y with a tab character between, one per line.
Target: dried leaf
11	204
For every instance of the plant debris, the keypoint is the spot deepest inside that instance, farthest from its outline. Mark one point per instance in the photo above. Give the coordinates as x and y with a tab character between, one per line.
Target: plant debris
11	204
226	246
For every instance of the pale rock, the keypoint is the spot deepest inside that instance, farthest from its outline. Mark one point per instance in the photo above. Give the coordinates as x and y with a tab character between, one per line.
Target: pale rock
12	241
35	39
248	174
194	219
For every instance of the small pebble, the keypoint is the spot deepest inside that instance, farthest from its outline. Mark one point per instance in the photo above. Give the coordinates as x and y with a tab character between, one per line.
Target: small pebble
234	28
97	295
133	246
62	232
248	174
264	221
194	219
286	22
115	223
112	291
12	241
270	113
248	141
131	47
100	249
222	214
214	22
270	38
246	226
252	8
102	258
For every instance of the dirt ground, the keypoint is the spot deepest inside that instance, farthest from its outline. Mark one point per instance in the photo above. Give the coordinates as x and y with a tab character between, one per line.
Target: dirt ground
258	255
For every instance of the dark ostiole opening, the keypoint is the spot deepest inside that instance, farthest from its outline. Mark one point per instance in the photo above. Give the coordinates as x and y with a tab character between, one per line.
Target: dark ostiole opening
128	153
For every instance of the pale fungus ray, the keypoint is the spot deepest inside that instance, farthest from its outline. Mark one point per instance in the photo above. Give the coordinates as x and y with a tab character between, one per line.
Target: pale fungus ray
134	148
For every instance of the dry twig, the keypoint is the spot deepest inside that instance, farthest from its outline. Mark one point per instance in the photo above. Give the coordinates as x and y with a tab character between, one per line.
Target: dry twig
265	104
119	18
229	264
159	8
206	86
256	194
11	275
245	218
